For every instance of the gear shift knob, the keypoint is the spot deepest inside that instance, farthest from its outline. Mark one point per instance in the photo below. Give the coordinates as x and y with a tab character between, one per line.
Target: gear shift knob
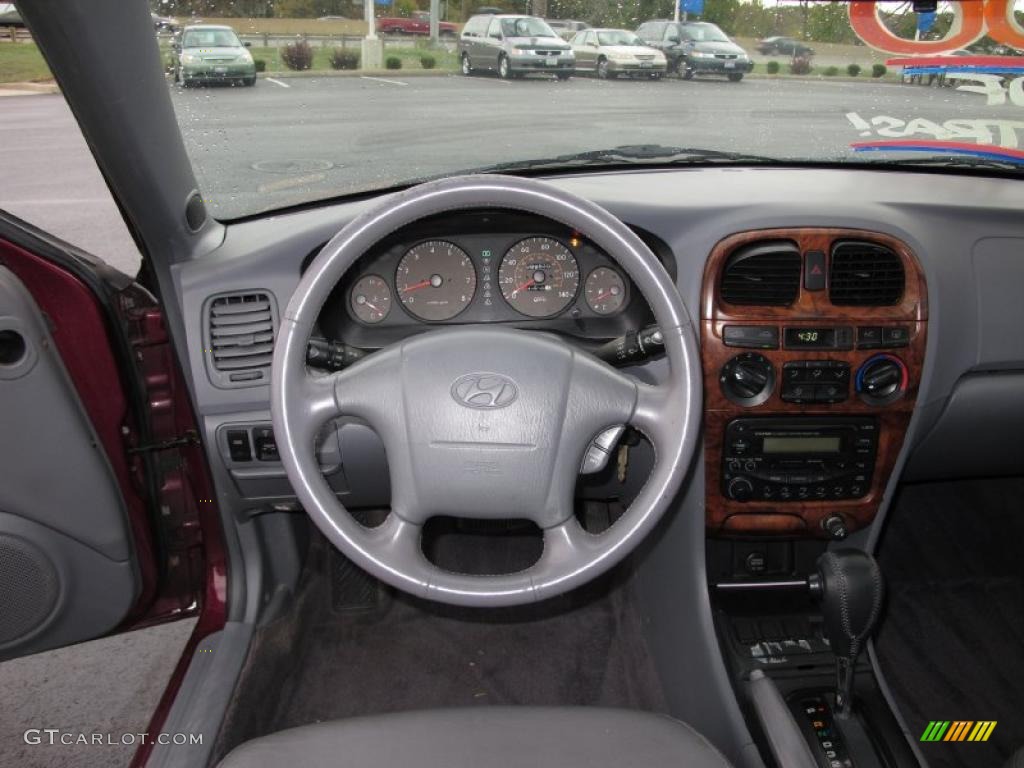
850	588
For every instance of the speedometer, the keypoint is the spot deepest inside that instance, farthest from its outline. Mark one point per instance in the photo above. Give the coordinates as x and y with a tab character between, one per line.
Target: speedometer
435	280
539	276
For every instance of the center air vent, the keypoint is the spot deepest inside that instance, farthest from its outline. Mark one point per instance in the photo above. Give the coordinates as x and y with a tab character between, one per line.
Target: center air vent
865	275
764	273
239	337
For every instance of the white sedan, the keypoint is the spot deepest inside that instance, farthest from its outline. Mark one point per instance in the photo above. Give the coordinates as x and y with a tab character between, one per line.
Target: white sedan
612	52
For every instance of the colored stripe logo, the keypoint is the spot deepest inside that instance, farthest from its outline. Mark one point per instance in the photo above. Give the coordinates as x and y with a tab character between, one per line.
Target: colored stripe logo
958	730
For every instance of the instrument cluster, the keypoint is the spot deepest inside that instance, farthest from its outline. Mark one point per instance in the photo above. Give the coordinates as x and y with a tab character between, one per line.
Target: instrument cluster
490	267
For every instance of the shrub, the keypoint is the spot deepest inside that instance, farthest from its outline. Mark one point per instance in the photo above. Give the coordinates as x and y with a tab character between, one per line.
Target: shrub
297	55
772	67
261	65
877	70
831	71
342	58
853	70
428	62
800	66
392	62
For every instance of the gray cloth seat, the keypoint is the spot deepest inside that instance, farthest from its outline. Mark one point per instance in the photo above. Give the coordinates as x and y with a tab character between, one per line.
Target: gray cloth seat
486	737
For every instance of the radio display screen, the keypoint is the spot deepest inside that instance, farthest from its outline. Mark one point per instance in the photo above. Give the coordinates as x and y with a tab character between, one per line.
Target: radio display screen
802	444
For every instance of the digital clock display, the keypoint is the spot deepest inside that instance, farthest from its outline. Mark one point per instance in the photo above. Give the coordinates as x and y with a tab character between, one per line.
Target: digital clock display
815	338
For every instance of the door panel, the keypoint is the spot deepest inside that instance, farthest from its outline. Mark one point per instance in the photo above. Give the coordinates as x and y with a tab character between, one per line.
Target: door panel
67	569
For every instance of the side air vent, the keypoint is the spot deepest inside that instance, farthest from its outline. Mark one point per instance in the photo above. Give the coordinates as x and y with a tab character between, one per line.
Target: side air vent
765	273
239	336
865	275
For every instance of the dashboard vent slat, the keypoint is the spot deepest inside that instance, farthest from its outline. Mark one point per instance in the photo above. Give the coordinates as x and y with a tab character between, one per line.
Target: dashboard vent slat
864	274
240	330
762	274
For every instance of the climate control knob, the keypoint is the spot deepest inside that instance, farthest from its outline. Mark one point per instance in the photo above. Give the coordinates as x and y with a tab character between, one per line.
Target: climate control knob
882	379
740	489
747	379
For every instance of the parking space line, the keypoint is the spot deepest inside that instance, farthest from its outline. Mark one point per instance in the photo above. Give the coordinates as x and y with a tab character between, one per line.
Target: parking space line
277	82
383	80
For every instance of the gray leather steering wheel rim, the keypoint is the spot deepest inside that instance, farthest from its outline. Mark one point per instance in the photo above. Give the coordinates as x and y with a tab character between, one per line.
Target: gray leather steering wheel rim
543	429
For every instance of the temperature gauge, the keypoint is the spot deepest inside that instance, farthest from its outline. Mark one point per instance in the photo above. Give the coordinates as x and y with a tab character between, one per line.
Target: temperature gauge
371	299
605	291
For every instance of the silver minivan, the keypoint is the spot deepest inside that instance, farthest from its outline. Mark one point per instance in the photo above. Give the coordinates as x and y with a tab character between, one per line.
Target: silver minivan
513	46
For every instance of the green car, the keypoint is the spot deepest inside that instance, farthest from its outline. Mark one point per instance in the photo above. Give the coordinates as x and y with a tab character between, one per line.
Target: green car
212	54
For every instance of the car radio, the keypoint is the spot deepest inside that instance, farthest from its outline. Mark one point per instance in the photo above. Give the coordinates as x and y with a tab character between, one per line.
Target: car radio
780	459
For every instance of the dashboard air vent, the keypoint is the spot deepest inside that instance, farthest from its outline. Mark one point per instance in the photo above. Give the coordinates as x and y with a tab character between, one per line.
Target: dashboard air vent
240	339
865	274
764	273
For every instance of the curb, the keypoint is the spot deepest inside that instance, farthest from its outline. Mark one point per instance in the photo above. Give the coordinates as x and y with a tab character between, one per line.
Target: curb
309	73
28	89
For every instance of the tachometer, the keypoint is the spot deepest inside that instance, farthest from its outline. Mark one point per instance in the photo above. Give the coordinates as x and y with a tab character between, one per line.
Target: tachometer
371	299
435	280
539	276
605	290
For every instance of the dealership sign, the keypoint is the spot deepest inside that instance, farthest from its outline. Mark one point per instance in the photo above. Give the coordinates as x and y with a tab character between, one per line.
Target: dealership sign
972	20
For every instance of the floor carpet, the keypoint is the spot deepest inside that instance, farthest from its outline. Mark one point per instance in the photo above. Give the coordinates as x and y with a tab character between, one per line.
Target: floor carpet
952	642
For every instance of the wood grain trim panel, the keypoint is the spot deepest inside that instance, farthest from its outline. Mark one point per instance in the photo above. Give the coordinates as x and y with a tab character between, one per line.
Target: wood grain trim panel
726	517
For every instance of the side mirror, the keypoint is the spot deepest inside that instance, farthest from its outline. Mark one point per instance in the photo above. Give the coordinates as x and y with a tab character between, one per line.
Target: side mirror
247	44
674	39
176	47
496	35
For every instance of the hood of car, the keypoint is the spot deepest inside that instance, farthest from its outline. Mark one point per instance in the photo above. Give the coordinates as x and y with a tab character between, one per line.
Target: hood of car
708	46
546	43
630	50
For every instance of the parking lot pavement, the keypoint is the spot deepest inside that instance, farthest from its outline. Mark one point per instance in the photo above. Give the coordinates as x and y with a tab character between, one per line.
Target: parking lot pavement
291	140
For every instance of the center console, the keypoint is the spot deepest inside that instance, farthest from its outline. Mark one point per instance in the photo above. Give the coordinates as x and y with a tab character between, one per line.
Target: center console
813	341
812	345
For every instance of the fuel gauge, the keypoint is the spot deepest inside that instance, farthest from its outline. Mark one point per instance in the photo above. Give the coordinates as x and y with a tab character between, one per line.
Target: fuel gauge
371	299
605	291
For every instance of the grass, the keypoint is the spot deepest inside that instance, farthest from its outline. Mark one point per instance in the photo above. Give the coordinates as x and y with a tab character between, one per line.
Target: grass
21	63
446	61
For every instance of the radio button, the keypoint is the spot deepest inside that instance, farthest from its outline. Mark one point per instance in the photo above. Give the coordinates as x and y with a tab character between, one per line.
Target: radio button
837	491
752	336
856	491
802	492
819	491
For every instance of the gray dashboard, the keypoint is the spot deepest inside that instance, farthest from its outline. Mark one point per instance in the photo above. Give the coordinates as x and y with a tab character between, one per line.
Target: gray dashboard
968	233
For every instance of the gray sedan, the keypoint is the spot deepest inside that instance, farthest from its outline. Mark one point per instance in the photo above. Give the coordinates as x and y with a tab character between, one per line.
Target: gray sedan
609	53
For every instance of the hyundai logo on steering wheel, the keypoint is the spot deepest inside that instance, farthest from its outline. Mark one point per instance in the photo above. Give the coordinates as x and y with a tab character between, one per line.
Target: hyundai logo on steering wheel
484	390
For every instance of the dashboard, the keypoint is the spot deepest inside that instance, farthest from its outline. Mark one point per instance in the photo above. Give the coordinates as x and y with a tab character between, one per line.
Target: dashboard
947	406
484	267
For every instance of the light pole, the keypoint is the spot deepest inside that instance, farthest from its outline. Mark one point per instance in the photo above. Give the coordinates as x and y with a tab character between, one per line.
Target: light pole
372	47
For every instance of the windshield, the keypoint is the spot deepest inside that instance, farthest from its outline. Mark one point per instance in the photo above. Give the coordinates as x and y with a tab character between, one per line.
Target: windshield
526	28
618	37
704	33
210	38
325	107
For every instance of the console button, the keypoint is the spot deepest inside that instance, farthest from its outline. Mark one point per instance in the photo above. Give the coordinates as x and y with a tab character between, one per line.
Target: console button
814	271
238	445
869	337
831	393
896	336
752	336
266	446
798	393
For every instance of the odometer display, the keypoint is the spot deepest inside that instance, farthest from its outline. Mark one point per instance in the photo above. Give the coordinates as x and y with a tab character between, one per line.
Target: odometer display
435	280
539	277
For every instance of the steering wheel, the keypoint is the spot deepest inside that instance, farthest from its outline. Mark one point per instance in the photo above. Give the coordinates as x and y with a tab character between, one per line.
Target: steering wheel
482	422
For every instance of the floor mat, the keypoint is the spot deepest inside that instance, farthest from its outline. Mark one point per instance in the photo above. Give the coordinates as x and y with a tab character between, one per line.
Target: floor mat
322	661
952	642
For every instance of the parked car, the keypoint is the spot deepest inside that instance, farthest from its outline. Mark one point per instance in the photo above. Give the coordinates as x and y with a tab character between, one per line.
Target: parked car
164	23
785	45
417	23
207	53
609	53
9	16
567	28
696	48
513	46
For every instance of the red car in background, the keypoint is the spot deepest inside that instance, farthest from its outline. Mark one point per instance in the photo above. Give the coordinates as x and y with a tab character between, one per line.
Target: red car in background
416	24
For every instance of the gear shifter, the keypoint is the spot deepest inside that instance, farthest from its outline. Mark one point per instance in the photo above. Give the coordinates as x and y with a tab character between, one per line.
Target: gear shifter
849	584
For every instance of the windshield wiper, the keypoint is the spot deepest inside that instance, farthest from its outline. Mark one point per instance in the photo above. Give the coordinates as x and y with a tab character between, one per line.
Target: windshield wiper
953	161
632	154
